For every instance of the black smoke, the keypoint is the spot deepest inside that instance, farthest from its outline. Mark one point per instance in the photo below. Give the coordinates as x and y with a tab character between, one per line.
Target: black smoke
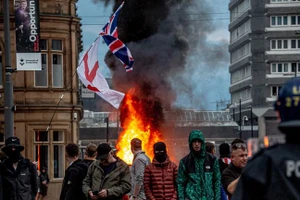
168	40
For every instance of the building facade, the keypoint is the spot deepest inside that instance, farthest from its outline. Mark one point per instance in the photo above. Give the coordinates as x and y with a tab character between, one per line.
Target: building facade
47	105
265	53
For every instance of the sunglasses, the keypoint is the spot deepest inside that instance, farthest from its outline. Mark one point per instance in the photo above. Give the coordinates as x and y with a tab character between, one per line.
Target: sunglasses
239	145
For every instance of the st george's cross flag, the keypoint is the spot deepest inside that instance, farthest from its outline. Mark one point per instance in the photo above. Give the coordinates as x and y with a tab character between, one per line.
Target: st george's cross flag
89	73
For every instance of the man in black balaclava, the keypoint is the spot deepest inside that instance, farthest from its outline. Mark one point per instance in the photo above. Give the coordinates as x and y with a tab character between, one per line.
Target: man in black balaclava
160	152
156	185
13	171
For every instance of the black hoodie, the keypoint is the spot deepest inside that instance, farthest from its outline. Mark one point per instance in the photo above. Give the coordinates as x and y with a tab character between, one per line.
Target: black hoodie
72	184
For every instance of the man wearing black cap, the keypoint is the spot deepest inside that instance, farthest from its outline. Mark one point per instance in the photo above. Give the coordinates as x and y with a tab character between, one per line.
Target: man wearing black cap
274	172
140	161
19	175
107	177
160	176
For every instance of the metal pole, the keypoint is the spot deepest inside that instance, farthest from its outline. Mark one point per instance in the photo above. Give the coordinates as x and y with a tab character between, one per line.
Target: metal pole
251	122
240	118
8	86
107	126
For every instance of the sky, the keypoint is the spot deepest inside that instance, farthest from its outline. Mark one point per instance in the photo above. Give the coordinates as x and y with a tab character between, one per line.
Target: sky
211	84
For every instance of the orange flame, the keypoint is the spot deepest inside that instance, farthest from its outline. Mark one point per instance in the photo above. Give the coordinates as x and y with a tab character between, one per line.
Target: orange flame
135	127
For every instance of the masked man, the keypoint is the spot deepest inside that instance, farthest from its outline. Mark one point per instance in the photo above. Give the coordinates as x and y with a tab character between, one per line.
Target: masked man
19	175
160	176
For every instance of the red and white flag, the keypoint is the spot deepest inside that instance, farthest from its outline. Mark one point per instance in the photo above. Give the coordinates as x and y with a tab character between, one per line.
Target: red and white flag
89	73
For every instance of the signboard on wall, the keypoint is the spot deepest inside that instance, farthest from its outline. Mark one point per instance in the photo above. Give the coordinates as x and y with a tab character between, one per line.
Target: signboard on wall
86	93
27	26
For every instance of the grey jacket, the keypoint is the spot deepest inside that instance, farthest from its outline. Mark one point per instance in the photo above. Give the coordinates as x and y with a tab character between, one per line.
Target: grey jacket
117	182
140	161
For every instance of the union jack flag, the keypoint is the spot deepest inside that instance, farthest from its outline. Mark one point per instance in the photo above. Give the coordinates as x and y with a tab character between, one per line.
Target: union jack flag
111	27
118	48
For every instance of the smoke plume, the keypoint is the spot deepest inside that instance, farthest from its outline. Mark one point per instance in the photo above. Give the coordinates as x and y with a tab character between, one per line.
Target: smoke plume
169	42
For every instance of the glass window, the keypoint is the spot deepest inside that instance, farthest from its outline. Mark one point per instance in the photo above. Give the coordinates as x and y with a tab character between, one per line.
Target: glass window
293	20
274	68
298	44
57	70
273	22
293	44
43	44
58	136
298	70
298	18
52	148
294	67
41	77
41	155
57	45
285	20
286	67
279	44
58	160
41	136
280	67
273	46
285	44
279	21
274	91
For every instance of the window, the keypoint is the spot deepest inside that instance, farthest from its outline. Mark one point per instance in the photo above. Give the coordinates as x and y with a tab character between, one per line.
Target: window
243	95
49	151
240	53
241	74
284	68
290	44
51	74
275	91
239	9
240	31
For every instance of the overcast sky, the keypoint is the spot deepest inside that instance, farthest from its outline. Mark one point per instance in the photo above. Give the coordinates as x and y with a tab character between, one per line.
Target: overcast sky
214	85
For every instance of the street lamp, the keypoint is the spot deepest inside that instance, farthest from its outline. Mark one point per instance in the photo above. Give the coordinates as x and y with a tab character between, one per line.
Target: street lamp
251	118
240	118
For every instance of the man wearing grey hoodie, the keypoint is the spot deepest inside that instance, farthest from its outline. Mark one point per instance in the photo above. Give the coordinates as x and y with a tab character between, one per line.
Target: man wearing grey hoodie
140	161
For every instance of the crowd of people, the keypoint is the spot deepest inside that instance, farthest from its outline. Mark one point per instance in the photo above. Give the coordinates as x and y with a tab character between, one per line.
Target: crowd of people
272	173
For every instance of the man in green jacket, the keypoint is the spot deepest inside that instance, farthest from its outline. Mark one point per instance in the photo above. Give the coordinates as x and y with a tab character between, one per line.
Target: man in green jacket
199	175
108	177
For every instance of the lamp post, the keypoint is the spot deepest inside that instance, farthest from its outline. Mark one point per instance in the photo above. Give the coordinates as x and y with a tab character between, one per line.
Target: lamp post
107	127
240	118
251	118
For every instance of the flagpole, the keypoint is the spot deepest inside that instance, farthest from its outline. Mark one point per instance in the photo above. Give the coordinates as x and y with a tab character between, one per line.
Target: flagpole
8	86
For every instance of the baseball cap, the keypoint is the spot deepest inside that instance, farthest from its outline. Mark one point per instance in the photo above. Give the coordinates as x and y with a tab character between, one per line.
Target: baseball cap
103	151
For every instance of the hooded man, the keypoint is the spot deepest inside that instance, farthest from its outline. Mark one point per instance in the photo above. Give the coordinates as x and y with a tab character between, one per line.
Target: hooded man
160	176
198	174
274	173
19	175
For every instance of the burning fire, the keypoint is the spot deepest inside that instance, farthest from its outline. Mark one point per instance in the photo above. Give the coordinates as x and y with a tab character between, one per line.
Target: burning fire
136	124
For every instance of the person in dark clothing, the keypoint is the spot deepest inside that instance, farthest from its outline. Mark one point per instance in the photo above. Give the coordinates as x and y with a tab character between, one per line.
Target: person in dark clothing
224	160
231	174
160	176
74	175
210	148
44	180
90	154
19	175
273	173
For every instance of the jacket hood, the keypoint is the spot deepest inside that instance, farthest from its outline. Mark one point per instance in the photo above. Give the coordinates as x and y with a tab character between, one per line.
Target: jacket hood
196	134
